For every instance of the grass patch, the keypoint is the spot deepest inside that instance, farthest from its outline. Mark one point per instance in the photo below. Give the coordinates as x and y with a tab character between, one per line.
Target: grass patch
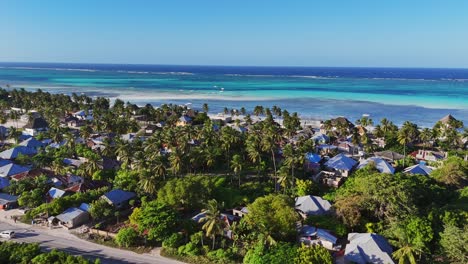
110	242
172	253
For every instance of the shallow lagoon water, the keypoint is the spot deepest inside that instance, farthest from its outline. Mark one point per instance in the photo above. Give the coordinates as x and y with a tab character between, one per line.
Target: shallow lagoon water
419	95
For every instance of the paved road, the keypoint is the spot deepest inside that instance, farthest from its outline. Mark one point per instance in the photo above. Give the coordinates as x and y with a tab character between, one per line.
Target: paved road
50	239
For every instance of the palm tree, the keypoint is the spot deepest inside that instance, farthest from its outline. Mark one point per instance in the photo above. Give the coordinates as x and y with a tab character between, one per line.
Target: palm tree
407	134
228	139
386	125
91	166
14	134
159	166
148	183
70	141
175	160
123	151
85	132
237	166
210	155
205	108
258	110
243	111
253	149
425	136
365	121
404	138
14	115
407	252
268	144
213	224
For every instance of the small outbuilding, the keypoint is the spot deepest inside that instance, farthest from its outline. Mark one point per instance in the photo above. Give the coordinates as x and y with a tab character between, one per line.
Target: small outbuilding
73	217
8	201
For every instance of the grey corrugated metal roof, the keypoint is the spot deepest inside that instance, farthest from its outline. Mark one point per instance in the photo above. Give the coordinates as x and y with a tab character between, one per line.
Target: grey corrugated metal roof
312	205
366	248
70	214
341	162
380	164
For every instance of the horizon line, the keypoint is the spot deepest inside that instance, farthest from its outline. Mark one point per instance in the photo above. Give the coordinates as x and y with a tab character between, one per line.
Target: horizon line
222	65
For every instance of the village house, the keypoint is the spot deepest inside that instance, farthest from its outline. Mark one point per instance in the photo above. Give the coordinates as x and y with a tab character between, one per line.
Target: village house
429	155
8	201
184	120
366	248
118	198
309	235
34	126
312	205
380	164
240	212
18	150
341	164
11	169
73	217
418	169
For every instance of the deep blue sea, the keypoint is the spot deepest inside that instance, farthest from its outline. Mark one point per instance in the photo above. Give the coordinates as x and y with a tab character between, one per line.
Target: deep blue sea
419	95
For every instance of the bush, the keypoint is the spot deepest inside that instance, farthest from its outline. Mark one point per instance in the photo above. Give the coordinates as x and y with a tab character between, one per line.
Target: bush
174	241
189	249
220	255
126	237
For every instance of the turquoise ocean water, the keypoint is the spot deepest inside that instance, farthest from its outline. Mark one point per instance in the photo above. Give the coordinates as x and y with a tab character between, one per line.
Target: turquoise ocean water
419	95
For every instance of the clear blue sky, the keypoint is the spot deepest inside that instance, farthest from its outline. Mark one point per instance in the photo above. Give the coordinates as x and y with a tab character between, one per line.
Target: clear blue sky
390	33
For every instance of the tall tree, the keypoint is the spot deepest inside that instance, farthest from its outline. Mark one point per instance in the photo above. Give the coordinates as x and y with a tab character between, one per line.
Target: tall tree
213	223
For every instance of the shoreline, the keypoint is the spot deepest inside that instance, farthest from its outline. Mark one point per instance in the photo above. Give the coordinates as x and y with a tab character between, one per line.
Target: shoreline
134	94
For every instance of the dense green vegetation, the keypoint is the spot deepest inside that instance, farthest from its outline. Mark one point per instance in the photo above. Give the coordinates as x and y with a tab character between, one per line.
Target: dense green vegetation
17	253
181	170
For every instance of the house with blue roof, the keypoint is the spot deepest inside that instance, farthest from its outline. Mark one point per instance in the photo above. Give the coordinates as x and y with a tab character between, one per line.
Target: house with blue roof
15	151
184	120
11	169
312	161
118	198
380	164
55	193
418	169
8	201
366	248
342	164
32	143
4	182
5	162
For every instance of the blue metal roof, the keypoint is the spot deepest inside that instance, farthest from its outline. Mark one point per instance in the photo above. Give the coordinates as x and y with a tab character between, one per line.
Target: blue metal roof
380	164
12	169
4	182
312	157
418	169
341	162
31	143
56	193
14	152
118	196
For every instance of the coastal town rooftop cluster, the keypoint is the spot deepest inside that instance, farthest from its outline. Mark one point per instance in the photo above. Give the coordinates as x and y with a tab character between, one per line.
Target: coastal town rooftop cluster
119	158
